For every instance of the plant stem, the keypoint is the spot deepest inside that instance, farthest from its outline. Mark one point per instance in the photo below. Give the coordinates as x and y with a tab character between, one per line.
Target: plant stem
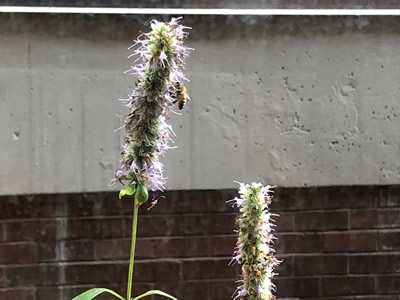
133	245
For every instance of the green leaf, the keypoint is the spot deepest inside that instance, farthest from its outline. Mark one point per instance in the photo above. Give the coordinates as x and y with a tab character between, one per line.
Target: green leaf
130	190
155	292
142	195
90	294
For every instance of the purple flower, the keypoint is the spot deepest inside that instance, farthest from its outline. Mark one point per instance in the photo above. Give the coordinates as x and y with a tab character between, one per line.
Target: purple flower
162	54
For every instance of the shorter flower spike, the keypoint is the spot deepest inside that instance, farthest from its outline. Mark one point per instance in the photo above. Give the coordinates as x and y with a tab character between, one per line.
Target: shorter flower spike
254	246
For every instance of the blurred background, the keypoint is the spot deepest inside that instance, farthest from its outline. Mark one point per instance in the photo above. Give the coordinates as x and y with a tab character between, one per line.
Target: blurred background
306	103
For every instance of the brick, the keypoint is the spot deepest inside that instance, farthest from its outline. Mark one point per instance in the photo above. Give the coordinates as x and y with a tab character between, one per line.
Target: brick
389	218
348	285
374	263
114	249
285	222
389	240
69	292
186	241
220	289
82	228
298	243
93	204
26	207
79	250
47	251
389	196
293	199
98	273
194	290
74	250
18	253
200	290
95	228
181	247
223	223
327	298
30	230
349	242
20	294
221	245
60	292
349	197
2	232
296	287
34	275
156	225
83	205
320	265
3	278
321	221
369	219
286	268
104	273
166	247
208	268
178	202
364	219
389	284
215	201
150	271
377	297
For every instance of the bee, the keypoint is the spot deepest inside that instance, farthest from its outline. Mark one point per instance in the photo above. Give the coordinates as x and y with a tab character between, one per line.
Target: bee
154	202
179	94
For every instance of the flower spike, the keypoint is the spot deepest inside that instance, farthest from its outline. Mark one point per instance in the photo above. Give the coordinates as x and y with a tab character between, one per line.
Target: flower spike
162	56
254	249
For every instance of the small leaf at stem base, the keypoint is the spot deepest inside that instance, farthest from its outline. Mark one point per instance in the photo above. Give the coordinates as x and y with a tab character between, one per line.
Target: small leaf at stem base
129	191
90	294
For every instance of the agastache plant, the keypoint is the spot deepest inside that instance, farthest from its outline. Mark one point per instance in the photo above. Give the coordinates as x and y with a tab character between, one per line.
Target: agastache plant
254	249
162	56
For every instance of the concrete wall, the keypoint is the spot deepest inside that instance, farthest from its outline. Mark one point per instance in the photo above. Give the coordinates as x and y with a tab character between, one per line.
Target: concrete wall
284	100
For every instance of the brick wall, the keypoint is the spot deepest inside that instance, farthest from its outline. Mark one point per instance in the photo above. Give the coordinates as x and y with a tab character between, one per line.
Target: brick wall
336	242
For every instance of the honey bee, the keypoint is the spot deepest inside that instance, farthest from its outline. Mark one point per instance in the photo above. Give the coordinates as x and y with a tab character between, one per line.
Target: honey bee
180	95
154	202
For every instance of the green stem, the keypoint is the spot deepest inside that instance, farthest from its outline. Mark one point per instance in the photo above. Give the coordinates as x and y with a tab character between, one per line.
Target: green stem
133	245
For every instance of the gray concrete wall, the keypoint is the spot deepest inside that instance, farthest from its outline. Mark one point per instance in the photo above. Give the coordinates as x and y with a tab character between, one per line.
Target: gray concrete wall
289	101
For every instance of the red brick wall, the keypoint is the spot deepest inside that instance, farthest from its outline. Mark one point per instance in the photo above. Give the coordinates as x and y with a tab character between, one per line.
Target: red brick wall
336	242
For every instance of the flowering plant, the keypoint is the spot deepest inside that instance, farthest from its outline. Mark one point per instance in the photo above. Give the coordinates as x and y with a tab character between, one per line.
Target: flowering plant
158	87
254	249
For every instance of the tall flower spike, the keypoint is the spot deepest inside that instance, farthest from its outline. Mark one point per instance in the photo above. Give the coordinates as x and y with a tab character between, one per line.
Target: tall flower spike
254	245
162	56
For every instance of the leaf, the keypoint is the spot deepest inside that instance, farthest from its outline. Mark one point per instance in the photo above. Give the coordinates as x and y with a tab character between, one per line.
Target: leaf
130	190
154	292
90	294
142	195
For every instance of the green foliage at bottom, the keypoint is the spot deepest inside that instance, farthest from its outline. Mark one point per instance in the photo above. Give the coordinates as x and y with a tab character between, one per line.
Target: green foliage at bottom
90	294
155	292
